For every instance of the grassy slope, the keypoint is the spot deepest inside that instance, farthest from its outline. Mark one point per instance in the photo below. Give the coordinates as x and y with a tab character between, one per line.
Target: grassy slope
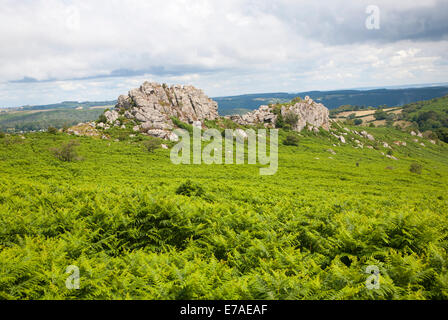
307	232
437	105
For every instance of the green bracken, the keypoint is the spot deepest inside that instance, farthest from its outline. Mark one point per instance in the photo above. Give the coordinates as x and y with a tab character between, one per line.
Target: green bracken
308	232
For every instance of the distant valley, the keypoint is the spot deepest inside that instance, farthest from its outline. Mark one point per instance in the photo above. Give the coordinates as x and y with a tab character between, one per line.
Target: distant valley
332	99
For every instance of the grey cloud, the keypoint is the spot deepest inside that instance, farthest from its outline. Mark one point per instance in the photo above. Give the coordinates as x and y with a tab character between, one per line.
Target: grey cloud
340	23
170	71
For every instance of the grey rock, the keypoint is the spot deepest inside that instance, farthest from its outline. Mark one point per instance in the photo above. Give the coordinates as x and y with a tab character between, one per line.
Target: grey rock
111	116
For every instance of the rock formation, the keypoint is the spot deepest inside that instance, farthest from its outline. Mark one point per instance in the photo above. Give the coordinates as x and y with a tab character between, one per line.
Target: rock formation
306	112
153	105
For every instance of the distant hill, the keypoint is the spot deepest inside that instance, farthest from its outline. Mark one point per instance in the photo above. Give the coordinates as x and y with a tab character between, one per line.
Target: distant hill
333	99
70	104
428	116
41	119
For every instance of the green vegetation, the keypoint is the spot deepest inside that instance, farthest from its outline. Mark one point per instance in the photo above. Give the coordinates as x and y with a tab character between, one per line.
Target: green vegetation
190	189
67	152
416	168
152	144
291	140
182	125
291	119
52	130
380	115
139	227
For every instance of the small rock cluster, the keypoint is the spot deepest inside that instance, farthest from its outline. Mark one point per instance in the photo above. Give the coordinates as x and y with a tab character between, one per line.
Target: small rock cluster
84	129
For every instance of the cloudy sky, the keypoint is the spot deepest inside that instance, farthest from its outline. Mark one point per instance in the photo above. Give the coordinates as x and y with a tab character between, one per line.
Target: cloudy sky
55	50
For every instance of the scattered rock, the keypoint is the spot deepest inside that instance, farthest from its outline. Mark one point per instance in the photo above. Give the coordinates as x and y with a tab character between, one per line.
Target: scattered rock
367	136
391	157
241	133
111	116
173	137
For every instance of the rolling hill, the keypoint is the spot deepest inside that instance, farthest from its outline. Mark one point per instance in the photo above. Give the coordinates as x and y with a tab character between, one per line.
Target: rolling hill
332	99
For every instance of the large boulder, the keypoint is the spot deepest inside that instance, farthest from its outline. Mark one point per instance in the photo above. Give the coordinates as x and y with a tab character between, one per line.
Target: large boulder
153	105
307	112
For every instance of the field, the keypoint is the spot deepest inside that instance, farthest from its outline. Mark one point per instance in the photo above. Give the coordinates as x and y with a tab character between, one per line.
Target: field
308	232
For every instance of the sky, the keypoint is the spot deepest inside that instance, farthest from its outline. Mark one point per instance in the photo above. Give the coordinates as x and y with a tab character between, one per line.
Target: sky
77	50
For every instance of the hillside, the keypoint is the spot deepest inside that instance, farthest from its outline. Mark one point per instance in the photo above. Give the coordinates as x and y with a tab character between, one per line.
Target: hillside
308	232
429	117
332	99
40	119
